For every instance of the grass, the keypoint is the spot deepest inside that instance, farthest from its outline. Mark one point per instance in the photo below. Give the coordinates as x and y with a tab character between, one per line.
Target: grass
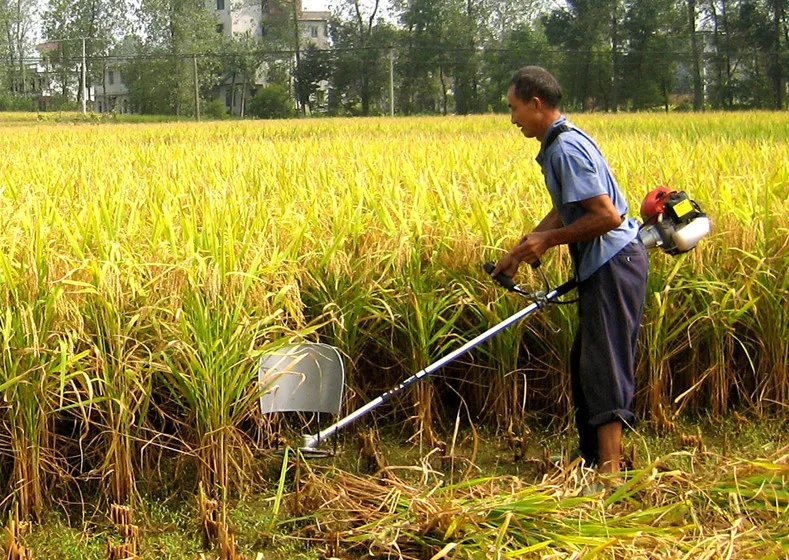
74	117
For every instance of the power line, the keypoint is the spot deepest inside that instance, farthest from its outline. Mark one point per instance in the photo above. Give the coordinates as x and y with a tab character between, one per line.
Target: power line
281	53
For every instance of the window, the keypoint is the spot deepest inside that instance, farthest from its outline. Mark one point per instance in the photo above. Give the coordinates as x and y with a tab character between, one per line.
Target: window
313	30
111	77
264	7
220	4
220	27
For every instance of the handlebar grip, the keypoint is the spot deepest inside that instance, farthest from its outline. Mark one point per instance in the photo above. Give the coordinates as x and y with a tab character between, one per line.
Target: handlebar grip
504	280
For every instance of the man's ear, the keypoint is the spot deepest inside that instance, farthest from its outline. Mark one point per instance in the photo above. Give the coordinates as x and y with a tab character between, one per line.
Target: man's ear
538	104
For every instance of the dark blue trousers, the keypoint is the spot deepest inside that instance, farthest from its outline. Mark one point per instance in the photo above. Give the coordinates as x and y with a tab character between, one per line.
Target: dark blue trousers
603	356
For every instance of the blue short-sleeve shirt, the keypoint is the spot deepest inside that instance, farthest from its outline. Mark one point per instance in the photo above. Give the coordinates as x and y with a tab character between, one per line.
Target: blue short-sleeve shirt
575	170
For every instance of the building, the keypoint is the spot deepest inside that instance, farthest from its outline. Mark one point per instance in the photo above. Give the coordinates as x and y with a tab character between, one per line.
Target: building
111	95
258	19
36	85
254	18
315	29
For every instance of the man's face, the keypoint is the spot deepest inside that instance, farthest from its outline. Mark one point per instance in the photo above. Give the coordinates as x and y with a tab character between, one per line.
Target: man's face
523	114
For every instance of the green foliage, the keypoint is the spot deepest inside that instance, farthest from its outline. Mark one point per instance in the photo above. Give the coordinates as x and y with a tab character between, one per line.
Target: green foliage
360	74
519	45
271	102
314	67
62	103
56	539
649	68
12	102
154	85
215	110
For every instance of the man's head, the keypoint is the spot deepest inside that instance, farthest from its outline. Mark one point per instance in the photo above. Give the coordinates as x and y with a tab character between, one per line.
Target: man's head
533	99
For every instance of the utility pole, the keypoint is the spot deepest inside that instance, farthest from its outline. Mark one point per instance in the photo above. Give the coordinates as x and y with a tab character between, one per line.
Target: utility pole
54	44
197	88
83	79
391	82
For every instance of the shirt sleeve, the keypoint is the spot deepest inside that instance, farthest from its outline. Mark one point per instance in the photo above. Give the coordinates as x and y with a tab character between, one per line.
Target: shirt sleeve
577	175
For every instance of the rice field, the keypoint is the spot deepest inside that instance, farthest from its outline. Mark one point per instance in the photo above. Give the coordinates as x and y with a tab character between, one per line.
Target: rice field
146	267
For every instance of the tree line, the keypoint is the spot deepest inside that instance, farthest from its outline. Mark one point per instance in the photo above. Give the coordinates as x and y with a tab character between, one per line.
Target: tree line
416	56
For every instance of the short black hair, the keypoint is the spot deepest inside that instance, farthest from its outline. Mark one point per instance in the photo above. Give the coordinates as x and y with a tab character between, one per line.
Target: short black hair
534	81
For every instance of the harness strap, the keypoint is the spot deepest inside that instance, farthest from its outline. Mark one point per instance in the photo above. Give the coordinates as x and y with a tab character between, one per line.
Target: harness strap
554	134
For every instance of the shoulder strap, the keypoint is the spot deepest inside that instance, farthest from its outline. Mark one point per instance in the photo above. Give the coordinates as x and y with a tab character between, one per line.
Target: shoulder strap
554	134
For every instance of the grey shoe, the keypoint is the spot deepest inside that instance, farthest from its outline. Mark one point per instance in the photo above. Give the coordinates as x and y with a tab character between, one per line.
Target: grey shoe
593	489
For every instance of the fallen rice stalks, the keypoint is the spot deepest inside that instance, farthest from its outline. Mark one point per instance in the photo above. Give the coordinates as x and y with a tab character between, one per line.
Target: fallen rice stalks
654	513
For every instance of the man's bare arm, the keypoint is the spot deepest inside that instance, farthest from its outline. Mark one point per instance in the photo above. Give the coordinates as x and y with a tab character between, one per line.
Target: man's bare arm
600	217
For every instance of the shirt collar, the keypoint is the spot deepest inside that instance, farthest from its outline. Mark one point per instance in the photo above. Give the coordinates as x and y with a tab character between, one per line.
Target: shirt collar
541	155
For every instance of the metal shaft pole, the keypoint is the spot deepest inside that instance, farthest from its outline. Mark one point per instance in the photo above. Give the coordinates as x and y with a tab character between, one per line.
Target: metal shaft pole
310	442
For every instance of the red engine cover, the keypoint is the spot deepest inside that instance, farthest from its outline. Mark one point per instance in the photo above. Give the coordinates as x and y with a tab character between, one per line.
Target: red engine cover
653	204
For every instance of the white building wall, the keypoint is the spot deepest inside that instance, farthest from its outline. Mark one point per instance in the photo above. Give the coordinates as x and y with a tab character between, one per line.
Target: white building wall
247	18
239	17
315	28
112	94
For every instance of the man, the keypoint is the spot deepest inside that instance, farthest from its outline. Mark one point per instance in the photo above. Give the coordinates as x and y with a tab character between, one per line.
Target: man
610	263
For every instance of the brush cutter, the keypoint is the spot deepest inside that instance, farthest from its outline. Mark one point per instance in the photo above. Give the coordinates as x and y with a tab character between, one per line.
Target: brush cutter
672	221
539	299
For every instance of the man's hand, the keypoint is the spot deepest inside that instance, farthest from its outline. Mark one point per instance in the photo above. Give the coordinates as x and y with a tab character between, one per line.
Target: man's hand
508	264
532	247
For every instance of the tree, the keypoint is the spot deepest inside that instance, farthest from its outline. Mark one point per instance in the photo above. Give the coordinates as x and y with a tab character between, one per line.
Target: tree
465	19
361	64
16	19
272	102
584	29
779	57
423	55
750	39
498	19
161	80
651	28
315	68
698	88
68	22
761	24
722	86
242	62
522	44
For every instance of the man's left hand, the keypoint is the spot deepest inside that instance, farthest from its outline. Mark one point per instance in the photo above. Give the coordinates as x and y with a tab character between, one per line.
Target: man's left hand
532	247
508	264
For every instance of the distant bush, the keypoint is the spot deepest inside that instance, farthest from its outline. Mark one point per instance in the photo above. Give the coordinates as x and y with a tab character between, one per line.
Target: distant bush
215	110
62	103
272	102
13	102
